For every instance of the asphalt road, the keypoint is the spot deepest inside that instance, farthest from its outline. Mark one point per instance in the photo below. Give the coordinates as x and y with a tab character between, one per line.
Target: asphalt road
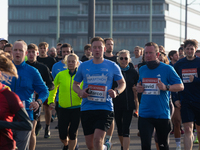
54	143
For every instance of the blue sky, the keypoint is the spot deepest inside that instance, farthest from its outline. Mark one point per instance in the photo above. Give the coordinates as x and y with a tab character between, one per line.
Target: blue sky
4	19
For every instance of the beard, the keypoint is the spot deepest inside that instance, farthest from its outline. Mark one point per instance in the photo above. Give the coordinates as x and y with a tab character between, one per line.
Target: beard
109	51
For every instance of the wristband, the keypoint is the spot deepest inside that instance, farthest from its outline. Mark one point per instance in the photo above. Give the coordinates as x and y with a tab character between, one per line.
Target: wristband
40	104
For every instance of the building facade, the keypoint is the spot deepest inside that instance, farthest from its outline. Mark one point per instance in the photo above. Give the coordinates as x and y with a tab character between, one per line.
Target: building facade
35	22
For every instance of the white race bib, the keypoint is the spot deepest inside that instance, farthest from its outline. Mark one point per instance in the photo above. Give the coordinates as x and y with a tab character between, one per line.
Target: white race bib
97	93
186	74
150	86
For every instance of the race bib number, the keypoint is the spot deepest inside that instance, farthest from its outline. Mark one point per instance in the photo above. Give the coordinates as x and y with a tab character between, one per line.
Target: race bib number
150	86
97	93
186	74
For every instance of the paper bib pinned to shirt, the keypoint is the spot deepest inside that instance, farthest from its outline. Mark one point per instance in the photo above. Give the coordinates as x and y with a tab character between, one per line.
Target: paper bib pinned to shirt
150	86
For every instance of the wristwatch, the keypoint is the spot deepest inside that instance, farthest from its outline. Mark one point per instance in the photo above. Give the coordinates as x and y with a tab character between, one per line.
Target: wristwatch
167	87
40	104
118	92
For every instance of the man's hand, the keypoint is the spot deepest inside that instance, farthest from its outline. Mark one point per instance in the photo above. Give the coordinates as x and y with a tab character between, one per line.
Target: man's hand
191	78
140	88
34	106
178	103
83	93
51	106
134	88
161	85
112	93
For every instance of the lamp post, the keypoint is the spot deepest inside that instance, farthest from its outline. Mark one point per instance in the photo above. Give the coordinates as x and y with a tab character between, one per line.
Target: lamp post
150	22
186	9
186	5
58	22
111	18
91	19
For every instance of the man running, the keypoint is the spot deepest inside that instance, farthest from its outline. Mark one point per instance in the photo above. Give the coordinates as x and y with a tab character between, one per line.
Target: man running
97	106
154	110
188	69
29	81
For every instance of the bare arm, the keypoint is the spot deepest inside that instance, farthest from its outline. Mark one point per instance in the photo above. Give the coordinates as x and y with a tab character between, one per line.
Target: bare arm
139	88
77	89
135	98
172	88
121	87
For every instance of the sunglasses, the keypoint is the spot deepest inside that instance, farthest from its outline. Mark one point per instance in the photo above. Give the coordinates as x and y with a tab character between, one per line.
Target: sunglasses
121	58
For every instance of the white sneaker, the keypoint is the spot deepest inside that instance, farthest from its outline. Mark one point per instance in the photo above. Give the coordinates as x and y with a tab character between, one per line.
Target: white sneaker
178	148
108	145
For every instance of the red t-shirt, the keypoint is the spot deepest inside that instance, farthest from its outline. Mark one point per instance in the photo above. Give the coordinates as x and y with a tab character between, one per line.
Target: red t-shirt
9	105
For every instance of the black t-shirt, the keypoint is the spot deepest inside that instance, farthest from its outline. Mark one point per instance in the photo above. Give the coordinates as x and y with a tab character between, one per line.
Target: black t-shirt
48	61
84	58
58	59
45	73
114	58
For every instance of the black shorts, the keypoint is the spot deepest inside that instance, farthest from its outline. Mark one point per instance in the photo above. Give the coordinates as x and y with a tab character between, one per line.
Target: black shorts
123	120
190	112
96	119
46	102
68	123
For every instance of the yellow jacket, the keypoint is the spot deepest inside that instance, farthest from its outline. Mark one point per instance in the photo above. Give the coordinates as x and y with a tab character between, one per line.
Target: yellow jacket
67	96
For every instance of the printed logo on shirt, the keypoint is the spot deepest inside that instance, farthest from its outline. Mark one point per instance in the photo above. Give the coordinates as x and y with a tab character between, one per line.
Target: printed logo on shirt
186	74
150	86
101	79
104	69
158	75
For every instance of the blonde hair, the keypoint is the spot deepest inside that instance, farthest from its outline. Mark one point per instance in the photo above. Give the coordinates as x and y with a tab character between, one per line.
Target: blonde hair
71	54
123	52
23	43
7	68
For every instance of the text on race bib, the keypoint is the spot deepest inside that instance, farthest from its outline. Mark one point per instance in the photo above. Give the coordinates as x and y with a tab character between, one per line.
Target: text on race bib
150	86
97	93
186	74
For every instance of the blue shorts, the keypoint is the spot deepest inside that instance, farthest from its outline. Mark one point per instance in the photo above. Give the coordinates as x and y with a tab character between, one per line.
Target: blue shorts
190	112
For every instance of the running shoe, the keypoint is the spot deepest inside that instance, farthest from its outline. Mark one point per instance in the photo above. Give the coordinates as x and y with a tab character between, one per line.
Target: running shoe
178	148
138	134
47	134
37	129
196	141
172	132
56	127
107	140
65	147
109	145
182	132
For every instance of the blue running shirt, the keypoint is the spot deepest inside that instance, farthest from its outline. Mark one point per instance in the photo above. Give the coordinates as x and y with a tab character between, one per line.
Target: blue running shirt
154	102
99	78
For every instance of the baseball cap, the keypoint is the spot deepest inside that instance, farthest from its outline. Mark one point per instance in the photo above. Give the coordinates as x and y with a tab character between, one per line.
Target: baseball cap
2	39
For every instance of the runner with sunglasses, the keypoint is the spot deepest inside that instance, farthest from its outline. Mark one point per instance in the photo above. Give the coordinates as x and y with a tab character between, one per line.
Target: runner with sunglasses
127	101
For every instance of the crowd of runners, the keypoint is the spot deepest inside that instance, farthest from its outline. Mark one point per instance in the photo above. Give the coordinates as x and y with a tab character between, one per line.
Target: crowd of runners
100	90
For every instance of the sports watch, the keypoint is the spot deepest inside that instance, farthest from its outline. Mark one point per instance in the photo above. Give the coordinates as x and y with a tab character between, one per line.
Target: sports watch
167	87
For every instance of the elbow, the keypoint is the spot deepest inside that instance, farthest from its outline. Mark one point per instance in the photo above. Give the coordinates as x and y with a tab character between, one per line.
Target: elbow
182	87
